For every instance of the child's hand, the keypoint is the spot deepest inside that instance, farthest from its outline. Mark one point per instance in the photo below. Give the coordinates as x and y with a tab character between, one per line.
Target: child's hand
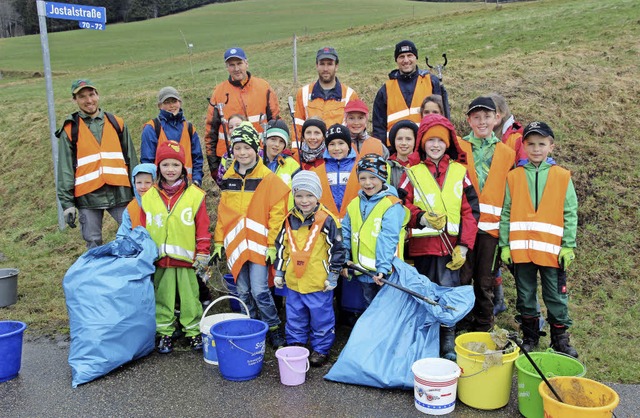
458	257
218	250
378	279
278	281
435	220
566	257
331	282
345	273
505	255
270	258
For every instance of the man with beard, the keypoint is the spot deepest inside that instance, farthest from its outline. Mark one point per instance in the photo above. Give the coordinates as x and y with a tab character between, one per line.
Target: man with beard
327	97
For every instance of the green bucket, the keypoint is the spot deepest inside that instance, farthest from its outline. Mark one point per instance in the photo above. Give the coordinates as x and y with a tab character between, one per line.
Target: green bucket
551	364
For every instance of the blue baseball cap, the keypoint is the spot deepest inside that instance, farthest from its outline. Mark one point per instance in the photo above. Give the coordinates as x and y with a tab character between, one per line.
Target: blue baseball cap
234	53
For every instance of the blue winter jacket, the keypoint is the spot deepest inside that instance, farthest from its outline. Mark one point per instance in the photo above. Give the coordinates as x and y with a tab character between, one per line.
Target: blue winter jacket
125	226
172	126
338	172
387	239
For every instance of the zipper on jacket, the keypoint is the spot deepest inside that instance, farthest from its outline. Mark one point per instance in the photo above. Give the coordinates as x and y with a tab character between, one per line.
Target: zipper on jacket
536	190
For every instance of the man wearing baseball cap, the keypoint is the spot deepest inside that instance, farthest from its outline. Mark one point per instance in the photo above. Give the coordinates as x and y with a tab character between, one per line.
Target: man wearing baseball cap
241	93
402	95
87	181
325	98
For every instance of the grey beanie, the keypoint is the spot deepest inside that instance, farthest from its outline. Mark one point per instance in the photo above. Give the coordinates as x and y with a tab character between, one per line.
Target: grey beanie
308	181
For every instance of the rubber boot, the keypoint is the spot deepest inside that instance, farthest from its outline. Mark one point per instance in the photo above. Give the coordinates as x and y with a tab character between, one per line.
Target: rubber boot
498	300
530	333
448	343
560	341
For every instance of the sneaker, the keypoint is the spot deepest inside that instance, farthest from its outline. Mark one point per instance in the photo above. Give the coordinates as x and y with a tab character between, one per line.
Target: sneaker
165	345
276	337
196	342
318	360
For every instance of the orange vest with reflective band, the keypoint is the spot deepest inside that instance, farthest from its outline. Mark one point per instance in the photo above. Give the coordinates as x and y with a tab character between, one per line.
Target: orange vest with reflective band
245	234
98	163
185	143
492	195
536	236
397	109
350	192
134	213
300	257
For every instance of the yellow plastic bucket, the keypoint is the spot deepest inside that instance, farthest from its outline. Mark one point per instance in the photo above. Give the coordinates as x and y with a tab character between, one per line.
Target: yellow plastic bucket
483	387
583	398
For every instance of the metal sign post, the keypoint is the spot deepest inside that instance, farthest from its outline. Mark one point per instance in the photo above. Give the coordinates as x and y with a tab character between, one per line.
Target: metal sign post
86	15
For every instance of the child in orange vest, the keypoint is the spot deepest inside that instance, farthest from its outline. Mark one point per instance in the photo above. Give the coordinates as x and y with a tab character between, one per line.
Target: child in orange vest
356	114
142	177
538	234
310	257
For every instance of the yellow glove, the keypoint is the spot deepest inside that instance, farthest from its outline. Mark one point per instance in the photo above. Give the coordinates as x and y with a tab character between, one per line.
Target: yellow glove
218	251
458	257
505	255
435	220
271	255
566	257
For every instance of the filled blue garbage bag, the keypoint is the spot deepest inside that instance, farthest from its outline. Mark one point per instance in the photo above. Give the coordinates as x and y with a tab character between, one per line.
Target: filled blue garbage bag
397	329
111	305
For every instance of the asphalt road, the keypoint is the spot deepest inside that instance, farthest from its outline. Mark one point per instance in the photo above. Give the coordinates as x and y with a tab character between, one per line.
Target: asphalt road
181	384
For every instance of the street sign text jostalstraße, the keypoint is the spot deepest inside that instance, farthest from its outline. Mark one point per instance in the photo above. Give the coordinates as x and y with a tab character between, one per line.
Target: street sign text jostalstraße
76	12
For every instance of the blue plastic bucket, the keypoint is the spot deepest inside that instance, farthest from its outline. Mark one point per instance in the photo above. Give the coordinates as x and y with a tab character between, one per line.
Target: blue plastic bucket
231	285
207	322
240	345
282	292
11	333
352	296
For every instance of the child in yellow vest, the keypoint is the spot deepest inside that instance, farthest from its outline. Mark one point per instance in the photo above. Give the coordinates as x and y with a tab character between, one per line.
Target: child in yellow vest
175	214
538	229
310	257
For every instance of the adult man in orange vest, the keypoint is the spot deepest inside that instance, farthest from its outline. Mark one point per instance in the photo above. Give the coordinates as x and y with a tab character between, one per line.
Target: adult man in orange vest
327	97
95	157
402	95
242	93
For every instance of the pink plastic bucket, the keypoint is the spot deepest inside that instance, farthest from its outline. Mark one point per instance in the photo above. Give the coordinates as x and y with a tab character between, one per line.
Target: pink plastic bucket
294	365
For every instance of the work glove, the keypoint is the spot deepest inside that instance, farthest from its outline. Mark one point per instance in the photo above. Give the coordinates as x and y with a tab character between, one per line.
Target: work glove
201	264
505	255
279	282
331	282
458	257
435	220
218	252
566	257
69	215
271	255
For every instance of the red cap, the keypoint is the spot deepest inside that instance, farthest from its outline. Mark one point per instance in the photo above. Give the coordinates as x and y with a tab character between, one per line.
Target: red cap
169	149
356	106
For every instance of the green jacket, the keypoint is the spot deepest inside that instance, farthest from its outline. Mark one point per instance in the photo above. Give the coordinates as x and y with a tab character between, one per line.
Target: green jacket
570	205
105	197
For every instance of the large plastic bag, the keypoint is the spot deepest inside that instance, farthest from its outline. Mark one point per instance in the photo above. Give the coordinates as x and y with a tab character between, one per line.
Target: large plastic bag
397	329
111	305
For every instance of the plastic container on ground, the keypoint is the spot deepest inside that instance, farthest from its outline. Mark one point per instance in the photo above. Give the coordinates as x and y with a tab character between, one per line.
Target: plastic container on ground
8	286
293	363
581	398
240	345
11	334
434	385
206	322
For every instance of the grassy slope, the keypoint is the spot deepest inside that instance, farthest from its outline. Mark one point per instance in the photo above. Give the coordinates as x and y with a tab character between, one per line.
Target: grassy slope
553	60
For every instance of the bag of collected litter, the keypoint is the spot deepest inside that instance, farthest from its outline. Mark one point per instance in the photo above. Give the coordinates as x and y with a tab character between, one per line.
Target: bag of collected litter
397	329
111	305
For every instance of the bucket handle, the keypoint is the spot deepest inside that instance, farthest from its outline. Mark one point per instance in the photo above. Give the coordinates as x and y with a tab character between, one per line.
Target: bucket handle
221	298
294	370
242	349
551	350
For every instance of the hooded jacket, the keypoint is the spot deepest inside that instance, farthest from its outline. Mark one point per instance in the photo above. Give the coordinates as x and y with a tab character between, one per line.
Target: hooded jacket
134	206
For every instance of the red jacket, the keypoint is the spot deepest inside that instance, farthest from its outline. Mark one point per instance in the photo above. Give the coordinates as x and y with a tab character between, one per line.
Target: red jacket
203	236
470	212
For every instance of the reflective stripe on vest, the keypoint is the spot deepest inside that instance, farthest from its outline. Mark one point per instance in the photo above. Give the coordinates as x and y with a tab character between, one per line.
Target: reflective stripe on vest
364	251
300	257
185	143
447	200
536	237
492	195
98	163
397	106
173	231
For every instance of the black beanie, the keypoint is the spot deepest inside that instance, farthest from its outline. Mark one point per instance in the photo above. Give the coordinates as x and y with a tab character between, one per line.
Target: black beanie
338	131
318	123
405	123
404	47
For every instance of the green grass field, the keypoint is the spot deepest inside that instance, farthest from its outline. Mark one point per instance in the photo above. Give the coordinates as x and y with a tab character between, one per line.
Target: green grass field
573	64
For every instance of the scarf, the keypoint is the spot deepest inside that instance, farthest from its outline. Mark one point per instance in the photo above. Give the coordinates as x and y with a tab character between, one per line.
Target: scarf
310	155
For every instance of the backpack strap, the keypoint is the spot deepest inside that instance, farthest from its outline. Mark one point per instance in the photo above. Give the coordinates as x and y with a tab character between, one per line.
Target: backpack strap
157	127
119	131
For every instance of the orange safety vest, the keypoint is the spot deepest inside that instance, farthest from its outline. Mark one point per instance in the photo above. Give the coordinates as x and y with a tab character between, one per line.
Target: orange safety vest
300	257
134	213
350	192
98	163
492	195
245	234
185	142
397	109
536	236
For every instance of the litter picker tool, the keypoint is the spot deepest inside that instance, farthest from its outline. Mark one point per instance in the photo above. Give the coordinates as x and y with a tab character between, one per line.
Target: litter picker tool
295	131
416	188
264	123
438	69
397	286
225	130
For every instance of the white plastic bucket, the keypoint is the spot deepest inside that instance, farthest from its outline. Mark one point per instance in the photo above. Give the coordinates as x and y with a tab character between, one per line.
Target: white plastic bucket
206	322
435	384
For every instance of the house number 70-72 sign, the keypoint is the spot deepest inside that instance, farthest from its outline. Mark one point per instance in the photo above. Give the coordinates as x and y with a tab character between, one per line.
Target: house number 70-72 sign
89	17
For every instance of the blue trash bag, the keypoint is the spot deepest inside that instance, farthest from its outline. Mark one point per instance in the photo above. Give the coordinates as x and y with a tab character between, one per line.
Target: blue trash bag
111	305
397	329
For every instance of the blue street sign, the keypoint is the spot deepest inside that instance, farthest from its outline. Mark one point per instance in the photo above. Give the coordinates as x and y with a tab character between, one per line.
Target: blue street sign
76	12
92	25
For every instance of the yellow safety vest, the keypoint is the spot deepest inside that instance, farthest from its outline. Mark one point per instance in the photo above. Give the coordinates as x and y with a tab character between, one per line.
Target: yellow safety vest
173	232
447	200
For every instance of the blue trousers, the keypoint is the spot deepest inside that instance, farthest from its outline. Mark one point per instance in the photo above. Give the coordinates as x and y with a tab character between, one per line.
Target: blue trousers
253	290
310	316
